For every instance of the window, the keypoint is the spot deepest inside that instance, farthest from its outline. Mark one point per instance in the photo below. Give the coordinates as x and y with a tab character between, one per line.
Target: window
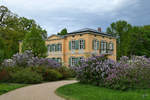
59	47
73	45
81	44
59	60
95	44
111	46
73	61
103	47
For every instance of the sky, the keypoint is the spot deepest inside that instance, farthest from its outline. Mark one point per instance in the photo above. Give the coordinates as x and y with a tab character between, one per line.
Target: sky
54	15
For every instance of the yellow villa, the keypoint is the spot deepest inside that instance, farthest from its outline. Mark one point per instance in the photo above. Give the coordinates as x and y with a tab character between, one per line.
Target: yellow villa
79	44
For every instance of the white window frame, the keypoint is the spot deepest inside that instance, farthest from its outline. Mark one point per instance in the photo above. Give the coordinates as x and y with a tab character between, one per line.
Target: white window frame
73	61
59	47
95	44
104	45
81	44
73	45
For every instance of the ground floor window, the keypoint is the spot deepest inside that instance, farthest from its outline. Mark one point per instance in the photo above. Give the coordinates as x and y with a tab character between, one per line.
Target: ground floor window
74	60
59	60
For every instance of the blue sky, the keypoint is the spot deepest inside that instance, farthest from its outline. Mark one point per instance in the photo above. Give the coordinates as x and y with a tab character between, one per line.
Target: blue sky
54	15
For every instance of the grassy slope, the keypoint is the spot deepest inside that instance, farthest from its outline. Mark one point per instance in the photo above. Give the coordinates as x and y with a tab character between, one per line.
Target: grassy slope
87	92
5	87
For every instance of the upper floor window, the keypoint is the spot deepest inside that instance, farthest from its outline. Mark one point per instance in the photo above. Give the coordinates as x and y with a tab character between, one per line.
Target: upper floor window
111	46
73	44
59	47
95	44
76	44
55	47
81	44
103	47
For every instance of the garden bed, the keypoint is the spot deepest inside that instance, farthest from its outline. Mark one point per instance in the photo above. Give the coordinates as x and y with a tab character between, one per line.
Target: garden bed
79	91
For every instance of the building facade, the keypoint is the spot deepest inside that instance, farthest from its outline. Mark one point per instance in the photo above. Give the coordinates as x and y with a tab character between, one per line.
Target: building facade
70	48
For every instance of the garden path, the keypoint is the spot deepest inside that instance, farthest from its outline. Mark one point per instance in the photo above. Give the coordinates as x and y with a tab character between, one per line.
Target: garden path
45	91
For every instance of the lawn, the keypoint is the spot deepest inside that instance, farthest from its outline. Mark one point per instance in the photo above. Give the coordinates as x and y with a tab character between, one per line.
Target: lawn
6	87
79	91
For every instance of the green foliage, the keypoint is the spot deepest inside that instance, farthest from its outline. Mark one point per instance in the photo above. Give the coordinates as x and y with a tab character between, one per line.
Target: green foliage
13	29
63	32
121	30
52	75
79	91
66	72
26	76
2	50
4	76
33	41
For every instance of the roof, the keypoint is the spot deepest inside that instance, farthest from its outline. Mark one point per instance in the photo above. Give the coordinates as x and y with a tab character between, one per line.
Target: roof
84	30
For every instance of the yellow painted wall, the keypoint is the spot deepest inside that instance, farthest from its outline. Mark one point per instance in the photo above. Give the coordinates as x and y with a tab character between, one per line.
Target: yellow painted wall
66	53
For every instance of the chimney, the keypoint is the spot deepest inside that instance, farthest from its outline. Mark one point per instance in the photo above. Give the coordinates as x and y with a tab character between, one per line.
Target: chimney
99	29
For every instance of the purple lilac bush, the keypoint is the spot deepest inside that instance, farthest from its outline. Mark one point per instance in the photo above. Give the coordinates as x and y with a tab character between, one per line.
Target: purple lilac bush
93	70
27	59
124	74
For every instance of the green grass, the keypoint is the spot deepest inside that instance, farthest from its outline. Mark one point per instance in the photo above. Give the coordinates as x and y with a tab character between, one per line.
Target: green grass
79	91
6	87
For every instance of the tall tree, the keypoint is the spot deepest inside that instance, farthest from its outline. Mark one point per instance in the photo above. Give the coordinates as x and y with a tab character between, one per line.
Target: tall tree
14	28
34	41
122	30
140	43
2	50
63	32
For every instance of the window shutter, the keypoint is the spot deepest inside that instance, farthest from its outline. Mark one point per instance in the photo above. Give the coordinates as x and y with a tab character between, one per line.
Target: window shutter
107	47
97	45
52	47
70	61
69	45
102	45
93	44
112	46
60	60
60	47
83	44
56	47
76	44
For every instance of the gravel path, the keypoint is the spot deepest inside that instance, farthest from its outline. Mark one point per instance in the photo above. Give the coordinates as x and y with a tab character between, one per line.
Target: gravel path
45	91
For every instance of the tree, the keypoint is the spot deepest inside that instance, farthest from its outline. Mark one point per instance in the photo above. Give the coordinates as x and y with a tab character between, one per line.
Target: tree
34	41
2	50
14	28
140	43
63	32
121	30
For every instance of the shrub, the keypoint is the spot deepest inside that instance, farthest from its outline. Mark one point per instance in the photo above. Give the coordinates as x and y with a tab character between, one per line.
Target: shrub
52	75
130	73
4	76
125	74
27	59
66	72
26	76
46	62
93	70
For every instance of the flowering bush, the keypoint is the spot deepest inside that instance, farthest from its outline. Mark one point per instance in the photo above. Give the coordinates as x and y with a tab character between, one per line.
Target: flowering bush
27	59
94	69
130	73
124	74
46	62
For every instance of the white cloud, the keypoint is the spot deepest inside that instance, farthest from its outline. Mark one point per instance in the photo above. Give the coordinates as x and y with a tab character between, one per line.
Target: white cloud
74	14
